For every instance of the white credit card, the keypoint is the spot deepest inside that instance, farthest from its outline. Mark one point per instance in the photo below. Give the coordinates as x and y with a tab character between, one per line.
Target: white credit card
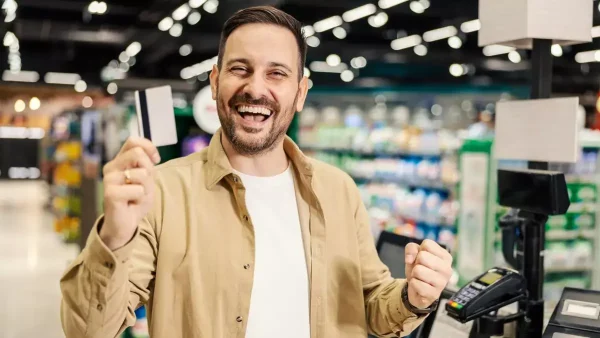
156	116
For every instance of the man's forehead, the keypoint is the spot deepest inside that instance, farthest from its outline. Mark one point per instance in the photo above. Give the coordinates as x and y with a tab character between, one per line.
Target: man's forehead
262	43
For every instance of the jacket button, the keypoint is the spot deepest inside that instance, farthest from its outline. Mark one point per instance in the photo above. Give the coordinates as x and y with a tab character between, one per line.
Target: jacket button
99	307
246	218
239	319
247	266
236	179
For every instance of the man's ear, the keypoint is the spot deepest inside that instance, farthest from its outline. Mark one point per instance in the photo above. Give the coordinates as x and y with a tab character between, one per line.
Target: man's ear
214	80
302	92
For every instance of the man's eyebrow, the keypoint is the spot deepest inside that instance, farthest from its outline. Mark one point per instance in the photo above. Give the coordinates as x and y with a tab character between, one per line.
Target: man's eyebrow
240	60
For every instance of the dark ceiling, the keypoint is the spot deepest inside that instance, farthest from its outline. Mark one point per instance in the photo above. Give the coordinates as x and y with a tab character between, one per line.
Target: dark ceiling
61	36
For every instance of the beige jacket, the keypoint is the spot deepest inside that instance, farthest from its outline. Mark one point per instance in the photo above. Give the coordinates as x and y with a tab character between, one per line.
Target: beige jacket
191	261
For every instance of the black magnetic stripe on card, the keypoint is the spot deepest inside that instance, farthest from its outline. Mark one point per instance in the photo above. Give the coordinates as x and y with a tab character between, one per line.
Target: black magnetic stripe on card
145	117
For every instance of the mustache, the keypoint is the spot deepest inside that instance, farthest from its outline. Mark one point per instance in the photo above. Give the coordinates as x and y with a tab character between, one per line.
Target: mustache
241	99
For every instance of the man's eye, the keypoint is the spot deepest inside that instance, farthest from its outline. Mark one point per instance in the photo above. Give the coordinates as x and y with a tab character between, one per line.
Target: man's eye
238	70
279	74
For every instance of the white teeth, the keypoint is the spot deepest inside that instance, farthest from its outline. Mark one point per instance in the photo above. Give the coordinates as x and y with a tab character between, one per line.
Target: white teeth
254	110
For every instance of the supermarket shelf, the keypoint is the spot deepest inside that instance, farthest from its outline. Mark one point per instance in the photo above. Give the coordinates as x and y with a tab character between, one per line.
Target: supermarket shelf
371	153
563	235
557	235
578	268
440	186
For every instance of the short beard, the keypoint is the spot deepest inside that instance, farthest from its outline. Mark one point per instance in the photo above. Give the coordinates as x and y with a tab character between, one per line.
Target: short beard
279	126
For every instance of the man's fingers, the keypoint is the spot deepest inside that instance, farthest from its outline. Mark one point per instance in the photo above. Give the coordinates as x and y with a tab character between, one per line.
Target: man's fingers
434	263
435	249
145	144
431	277
132	158
139	176
410	252
124	193
410	255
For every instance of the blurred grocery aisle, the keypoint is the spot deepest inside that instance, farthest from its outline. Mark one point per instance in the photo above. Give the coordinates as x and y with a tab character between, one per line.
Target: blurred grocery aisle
32	259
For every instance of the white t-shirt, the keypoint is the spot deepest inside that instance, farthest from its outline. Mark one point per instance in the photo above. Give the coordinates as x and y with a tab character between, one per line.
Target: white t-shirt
279	305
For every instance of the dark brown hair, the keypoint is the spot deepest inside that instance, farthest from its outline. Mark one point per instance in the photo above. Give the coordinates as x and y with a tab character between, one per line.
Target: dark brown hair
266	15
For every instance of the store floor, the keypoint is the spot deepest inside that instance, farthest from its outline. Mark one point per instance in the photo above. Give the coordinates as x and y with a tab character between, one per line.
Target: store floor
32	260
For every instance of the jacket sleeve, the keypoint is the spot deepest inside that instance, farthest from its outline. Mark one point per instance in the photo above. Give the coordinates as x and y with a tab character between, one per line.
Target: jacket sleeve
386	314
101	289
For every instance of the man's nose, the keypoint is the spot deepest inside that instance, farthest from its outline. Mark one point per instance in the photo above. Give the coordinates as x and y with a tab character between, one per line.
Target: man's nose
256	87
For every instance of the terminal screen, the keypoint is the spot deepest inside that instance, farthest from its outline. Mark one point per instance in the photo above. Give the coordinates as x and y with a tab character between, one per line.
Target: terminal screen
490	278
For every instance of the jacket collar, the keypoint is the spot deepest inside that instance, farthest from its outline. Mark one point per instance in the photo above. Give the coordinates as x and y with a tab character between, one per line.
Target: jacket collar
218	166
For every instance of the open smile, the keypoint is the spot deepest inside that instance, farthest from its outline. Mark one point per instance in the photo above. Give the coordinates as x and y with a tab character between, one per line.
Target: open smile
256	114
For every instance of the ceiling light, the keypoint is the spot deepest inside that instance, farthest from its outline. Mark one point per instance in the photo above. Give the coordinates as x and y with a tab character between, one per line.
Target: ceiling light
514	57
557	50
358	62
471	26
426	4
61	78
417	7
313	41
457	70
35	103
359	12
323	67
9	39
596	32
87	102
165	24
181	12
308	31
123	57
327	24
93	7
196	3
102	7
20	106
588	56
306	72
80	86
440	33
133	49
339	32
199	68
203	77
176	30
112	88
378	20
124	67
347	76
211	6
406	42
185	50
20	76
310	84
384	4
131	61
194	18
421	50
333	60
437	110
493	50
455	42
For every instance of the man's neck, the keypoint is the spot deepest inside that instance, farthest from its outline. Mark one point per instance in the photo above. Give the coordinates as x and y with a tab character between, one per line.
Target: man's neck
270	163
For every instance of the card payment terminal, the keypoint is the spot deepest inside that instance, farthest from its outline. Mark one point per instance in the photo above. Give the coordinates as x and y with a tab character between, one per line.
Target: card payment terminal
490	291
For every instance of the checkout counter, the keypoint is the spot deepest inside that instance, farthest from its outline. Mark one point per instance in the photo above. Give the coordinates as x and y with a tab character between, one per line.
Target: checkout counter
474	311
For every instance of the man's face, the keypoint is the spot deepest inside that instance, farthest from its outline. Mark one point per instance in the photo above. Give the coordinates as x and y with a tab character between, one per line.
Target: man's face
257	88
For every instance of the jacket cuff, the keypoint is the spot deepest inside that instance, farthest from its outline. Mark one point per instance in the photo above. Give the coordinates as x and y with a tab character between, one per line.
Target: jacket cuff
401	315
100	258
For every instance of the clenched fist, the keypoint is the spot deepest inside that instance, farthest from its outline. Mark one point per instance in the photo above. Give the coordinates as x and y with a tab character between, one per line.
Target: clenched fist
128	191
428	270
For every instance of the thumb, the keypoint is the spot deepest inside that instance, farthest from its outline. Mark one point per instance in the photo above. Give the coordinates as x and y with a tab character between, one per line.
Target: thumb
410	256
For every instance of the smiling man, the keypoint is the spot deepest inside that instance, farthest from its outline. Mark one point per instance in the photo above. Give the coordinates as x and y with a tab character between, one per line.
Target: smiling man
249	238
